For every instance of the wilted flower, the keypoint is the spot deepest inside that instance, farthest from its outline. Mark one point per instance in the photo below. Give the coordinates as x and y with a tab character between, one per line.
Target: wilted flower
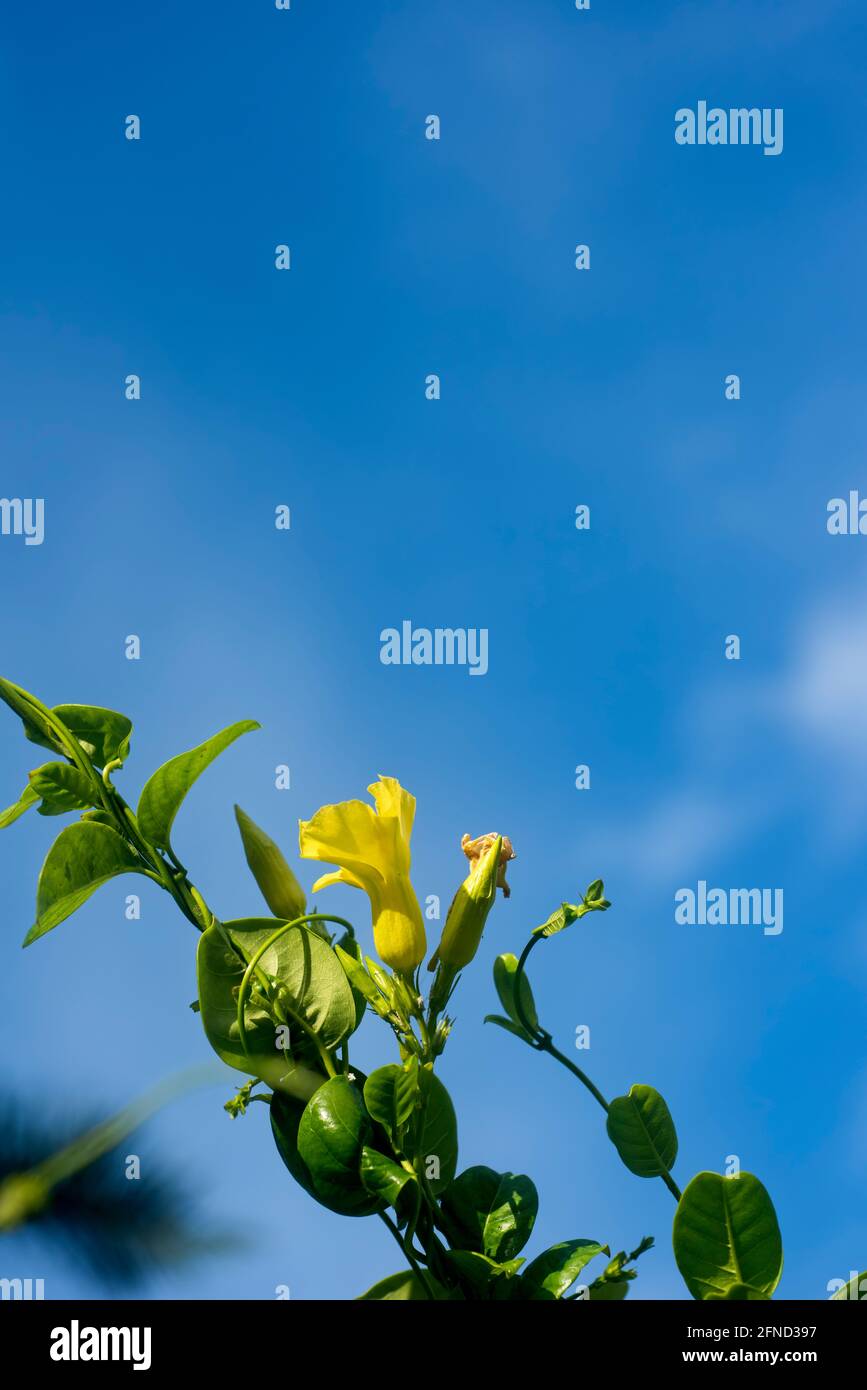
488	856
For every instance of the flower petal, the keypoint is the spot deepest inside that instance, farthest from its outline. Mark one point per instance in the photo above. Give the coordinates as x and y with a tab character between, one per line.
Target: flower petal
339	876
349	834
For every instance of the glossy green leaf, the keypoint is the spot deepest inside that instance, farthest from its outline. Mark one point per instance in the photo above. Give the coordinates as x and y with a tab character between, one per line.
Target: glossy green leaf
286	1111
332	1135
856	1289
491	1213
505	975
391	1094
402	1288
739	1293
315	991
642	1130
164	792
103	733
383	1177
63	787
83	856
554	1271
726	1233
482	1277
27	799
439	1132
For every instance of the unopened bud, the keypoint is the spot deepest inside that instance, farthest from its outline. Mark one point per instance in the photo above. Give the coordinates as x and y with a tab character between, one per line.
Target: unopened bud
277	883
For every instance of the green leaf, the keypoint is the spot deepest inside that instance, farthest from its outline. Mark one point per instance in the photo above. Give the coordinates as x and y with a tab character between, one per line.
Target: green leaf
32	714
483	1277
286	1111
507	1024
164	792
608	1290
726	1233
382	1177
567	913
439	1132
739	1293
855	1289
554	1271
313	987
405	1287
83	856
332	1135
505	975
63	787
316	990
103	733
391	1094
491	1213
27	799
612	1284
642	1130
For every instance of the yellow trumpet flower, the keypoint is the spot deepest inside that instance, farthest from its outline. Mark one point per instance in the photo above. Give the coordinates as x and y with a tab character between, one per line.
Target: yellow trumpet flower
372	849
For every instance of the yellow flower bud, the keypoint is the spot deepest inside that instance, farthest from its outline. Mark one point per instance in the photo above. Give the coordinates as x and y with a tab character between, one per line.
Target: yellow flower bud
488	856
277	883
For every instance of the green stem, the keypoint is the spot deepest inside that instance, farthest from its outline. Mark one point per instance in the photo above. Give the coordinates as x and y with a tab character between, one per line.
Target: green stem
546	1045
543	1042
408	1254
246	985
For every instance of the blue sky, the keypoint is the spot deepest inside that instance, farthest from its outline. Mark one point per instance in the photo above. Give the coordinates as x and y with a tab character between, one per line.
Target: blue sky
708	517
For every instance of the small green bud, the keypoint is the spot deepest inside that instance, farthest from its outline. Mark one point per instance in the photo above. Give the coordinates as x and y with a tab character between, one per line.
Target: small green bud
277	883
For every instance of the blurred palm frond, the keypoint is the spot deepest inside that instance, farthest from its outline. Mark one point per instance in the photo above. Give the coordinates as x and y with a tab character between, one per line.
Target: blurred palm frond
65	1179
